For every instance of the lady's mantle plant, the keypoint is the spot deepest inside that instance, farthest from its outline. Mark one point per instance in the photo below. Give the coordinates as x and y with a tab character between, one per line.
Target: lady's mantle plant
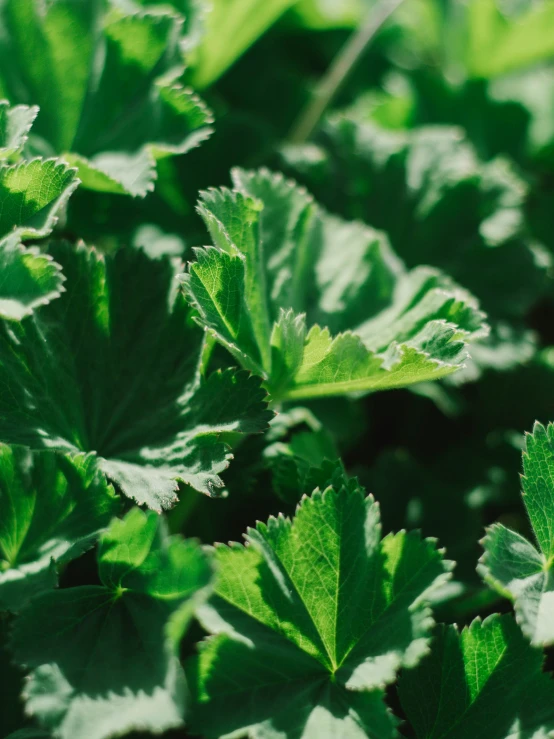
158	399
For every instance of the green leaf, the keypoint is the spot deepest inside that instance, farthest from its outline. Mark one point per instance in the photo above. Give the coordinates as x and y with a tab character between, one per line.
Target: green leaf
106	663
15	124
510	43
28	279
438	203
107	84
485	682
514	566
33	193
281	267
322	15
231	26
52	508
111	368
300	454
312	618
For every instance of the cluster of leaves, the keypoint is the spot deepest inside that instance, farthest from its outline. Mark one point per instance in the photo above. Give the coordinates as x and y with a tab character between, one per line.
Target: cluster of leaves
198	313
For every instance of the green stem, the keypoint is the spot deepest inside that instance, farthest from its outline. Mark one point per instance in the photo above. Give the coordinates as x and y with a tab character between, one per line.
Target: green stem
342	65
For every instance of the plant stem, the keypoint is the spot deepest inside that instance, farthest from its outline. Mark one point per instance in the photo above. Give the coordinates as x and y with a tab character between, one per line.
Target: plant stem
340	68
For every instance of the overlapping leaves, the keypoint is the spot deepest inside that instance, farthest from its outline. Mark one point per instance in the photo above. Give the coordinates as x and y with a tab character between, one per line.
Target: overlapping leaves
107	661
110	368
514	566
32	194
108	86
52	507
311	620
281	268
437	203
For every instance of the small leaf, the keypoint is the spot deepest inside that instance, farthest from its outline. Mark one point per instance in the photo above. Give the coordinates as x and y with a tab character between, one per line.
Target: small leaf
15	124
52	508
107	662
485	682
313	617
32	194
28	279
514	566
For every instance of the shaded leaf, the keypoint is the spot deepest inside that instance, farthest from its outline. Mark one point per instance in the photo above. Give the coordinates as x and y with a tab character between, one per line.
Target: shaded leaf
485	682
107	662
52	508
514	566
111	368
107	84
437	203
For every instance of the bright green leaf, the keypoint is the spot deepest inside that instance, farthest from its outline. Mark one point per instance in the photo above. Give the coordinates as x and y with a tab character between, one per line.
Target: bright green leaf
312	619
514	566
15	124
111	368
107	84
499	44
281	267
28	279
32	194
231	26
106	663
52	508
485	682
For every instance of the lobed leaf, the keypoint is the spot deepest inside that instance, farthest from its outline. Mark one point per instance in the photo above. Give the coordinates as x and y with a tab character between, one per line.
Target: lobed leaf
485	682
108	84
280	264
107	663
15	124
110	368
32	196
437	203
514	566
311	619
52	508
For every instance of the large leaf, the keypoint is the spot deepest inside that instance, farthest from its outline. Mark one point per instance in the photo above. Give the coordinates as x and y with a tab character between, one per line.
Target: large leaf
111	368
52	508
107	84
103	657
312	618
485	682
281	267
514	566
437	202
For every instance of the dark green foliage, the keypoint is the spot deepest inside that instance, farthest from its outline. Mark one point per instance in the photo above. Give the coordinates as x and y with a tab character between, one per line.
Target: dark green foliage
202	305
